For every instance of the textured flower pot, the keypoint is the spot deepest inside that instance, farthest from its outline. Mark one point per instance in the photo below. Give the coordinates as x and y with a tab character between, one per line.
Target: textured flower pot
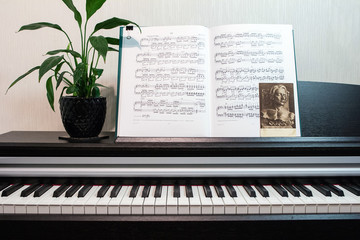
83	117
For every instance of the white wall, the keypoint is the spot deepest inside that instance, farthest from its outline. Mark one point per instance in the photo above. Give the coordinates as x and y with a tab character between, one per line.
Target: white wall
327	37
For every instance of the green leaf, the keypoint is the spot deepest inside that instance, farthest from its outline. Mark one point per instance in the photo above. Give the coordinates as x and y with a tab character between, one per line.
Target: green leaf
62	91
80	68
112	49
60	79
100	85
112	41
22	76
95	92
100	44
57	69
77	15
92	6
97	72
73	53
113	23
71	89
49	64
50	92
34	26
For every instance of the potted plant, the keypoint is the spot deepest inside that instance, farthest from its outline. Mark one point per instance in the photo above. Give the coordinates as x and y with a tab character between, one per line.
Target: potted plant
83	112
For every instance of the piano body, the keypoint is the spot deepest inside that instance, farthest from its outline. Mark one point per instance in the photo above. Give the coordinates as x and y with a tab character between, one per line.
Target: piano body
175	188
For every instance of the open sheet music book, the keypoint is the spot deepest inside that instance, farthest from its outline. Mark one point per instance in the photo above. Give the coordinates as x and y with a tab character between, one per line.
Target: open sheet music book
193	81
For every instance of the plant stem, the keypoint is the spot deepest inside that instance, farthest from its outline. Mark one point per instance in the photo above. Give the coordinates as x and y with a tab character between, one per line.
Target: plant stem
72	48
72	69
92	61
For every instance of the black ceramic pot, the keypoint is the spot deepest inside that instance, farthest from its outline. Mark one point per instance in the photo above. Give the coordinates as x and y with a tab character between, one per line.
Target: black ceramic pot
83	117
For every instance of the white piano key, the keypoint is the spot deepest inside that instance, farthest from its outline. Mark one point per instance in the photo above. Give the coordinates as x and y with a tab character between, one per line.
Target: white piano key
183	202
172	202
321	206
32	205
279	204
195	203
241	204
55	204
310	204
81	203
229	203
114	204
332	205
8	202
21	202
138	202
206	203
161	202
353	200
125	204
90	201
343	201
42	203
299	205
253	204
103	203
265	206
67	204
218	203
149	202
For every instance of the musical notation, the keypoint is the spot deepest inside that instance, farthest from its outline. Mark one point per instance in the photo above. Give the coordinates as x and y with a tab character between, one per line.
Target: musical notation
171	67
242	60
245	75
163	106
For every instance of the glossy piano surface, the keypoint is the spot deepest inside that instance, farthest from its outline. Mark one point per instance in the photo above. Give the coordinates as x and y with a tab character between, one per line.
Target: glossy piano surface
329	149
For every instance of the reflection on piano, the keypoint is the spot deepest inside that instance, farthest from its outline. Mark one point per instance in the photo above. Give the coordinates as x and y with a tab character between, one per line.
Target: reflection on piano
188	188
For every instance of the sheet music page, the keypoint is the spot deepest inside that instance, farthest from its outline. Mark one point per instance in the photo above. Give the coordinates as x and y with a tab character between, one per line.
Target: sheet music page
248	63
164	82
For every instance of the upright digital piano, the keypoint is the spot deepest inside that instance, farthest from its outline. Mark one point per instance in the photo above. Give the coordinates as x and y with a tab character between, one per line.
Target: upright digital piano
179	188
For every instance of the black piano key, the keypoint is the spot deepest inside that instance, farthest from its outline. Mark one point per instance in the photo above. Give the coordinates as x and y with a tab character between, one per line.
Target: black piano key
262	190
72	190
337	191
351	188
29	190
249	190
231	190
158	190
291	189
115	191
355	185
280	190
219	191
43	189
146	191
60	190
84	190
134	190
322	189
176	191
207	191
189	192
3	186
13	188
102	191
302	188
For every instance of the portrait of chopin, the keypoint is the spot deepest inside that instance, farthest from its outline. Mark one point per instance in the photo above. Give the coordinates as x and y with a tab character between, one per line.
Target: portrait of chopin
276	106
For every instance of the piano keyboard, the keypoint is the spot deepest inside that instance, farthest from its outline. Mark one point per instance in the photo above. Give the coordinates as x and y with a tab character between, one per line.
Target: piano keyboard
177	199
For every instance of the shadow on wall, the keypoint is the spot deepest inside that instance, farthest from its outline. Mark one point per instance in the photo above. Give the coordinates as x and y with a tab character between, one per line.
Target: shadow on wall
111	105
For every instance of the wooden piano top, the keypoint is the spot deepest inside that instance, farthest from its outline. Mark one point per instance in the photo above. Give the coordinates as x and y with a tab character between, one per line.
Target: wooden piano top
20	143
